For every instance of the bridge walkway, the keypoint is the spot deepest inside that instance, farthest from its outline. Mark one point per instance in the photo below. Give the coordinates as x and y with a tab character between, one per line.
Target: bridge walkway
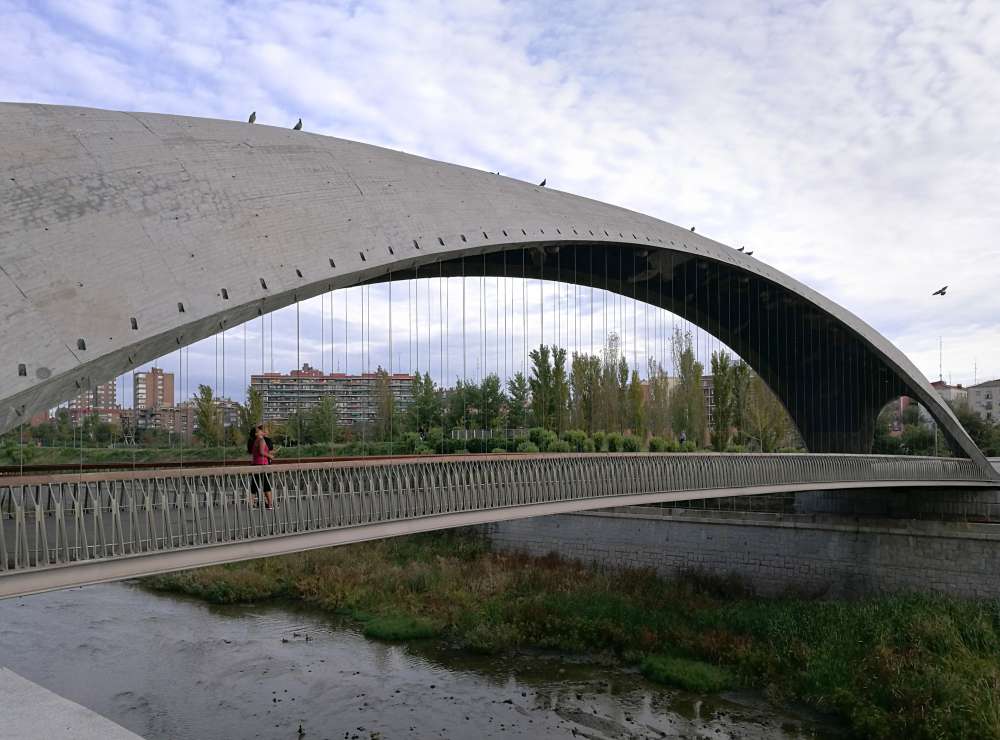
60	531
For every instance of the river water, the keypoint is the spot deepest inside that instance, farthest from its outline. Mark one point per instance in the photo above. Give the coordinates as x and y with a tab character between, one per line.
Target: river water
177	669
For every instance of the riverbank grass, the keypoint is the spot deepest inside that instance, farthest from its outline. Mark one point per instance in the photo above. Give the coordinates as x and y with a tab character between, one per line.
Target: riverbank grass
691	675
397	627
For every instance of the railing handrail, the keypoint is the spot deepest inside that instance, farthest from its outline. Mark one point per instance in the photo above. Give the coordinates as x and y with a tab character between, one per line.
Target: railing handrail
382	461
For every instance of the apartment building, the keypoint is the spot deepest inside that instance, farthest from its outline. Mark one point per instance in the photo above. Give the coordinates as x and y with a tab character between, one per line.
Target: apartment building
355	396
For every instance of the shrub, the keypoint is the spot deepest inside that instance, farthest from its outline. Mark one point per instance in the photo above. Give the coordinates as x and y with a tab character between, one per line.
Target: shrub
559	445
576	439
691	675
477	445
689	446
400	627
615	442
406	444
499	450
537	436
527	447
588	445
658	444
600	438
630	444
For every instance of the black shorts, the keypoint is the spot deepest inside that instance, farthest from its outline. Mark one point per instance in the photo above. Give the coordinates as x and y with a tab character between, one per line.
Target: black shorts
260	481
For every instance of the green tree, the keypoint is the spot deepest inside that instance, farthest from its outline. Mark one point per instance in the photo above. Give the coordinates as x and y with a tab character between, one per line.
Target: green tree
560	389
540	383
621	394
460	405
722	390
741	376
321	420
585	388
252	412
385	405
519	401
207	417
767	420
985	435
427	408
64	430
491	402
687	400
549	387
657	411
636	398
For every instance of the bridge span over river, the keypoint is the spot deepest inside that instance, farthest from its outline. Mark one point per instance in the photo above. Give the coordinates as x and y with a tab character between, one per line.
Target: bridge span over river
126	237
72	530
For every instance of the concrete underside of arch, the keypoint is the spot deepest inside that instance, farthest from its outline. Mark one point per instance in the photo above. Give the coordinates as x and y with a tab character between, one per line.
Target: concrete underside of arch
124	236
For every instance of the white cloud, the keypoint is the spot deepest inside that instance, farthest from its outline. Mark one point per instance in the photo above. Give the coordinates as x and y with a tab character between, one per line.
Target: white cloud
851	144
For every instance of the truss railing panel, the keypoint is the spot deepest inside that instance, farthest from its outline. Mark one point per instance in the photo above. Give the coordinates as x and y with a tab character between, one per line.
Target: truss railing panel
64	520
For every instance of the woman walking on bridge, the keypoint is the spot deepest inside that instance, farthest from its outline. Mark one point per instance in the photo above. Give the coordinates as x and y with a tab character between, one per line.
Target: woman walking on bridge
259	447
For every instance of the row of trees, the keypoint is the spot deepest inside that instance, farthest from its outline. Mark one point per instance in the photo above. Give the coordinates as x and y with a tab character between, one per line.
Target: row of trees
585	392
589	393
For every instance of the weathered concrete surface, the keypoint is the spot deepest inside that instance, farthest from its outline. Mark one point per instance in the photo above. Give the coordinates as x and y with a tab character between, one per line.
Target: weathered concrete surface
30	712
815	556
126	235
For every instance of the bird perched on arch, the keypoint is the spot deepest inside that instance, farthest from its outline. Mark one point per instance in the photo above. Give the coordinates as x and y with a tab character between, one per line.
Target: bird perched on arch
940	291
741	249
253	117
692	228
541	184
750	254
297	126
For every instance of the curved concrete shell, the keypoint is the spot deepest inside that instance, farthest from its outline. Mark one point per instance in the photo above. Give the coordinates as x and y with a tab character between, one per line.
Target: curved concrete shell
126	235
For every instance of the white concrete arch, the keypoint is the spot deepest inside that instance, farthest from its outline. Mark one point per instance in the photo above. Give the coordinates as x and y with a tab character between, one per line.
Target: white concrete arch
126	235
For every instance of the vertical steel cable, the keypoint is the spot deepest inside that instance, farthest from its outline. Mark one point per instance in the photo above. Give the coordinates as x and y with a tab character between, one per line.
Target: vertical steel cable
465	372
391	311
590	254
524	312
298	385
222	401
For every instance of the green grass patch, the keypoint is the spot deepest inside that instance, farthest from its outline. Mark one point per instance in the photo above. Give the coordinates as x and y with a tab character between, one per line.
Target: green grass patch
692	675
400	627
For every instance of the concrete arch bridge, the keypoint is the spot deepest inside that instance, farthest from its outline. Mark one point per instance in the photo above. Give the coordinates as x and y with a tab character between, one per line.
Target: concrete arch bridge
124	236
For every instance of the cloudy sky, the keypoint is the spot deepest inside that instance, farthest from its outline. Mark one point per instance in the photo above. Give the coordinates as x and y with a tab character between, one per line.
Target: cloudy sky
852	144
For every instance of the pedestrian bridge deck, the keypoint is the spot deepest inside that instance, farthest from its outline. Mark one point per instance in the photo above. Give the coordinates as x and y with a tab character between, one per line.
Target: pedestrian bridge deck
67	530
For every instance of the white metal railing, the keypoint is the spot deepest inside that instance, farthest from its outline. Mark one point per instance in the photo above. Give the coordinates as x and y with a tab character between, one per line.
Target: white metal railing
60	520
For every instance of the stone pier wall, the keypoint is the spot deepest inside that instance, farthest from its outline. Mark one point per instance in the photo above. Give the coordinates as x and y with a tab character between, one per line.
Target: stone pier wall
814	555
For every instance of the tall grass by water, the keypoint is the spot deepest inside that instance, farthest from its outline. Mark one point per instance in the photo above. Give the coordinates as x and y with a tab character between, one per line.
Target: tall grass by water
914	666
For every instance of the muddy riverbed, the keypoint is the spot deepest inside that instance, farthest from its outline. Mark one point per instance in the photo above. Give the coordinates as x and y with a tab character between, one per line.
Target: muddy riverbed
174	668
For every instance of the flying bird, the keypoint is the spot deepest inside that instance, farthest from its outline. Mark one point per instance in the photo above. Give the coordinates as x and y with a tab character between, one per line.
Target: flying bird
298	126
253	117
741	249
542	183
940	291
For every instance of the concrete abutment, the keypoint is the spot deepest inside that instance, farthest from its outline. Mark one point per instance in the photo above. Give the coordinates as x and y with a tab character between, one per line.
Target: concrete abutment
815	554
